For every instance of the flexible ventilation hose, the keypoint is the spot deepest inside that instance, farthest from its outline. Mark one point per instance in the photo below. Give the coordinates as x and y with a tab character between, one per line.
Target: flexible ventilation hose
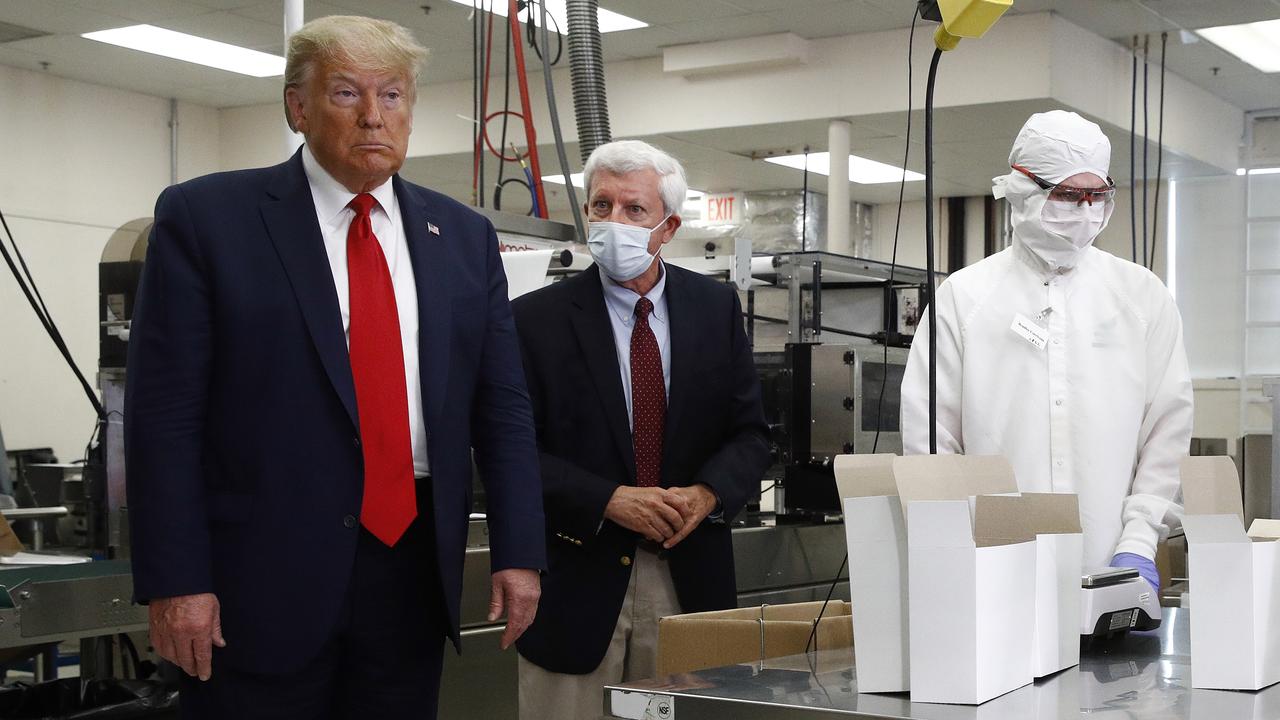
586	73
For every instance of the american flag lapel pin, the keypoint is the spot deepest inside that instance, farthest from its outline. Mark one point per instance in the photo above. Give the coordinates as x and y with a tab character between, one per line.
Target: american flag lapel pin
431	228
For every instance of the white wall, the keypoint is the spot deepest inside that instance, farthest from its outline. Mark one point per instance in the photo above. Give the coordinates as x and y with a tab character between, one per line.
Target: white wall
80	161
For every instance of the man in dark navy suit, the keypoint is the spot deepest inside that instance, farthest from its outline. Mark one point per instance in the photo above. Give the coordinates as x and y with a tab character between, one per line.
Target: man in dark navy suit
651	434
317	350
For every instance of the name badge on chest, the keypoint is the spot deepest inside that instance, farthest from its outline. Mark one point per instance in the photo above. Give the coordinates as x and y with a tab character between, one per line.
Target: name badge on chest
1027	329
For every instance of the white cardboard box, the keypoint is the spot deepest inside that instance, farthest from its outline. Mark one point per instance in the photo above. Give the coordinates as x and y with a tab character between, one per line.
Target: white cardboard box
880	569
1235	586
1052	520
971	608
876	534
971	604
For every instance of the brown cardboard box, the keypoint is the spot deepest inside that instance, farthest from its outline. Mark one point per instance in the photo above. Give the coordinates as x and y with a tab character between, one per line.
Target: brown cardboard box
1211	486
9	542
697	641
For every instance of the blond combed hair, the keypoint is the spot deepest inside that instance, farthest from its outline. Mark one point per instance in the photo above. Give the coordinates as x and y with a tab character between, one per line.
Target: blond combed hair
351	41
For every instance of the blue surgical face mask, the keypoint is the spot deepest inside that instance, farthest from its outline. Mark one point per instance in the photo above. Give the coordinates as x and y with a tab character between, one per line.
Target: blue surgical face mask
621	250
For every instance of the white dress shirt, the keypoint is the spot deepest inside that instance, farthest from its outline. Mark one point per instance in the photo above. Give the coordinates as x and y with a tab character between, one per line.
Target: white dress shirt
622	316
1096	401
331	200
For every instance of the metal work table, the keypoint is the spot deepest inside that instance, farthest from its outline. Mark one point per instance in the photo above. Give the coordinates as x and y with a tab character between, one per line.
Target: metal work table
775	564
1139	677
41	605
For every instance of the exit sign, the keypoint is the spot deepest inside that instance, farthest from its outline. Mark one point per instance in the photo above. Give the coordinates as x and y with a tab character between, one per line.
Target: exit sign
722	209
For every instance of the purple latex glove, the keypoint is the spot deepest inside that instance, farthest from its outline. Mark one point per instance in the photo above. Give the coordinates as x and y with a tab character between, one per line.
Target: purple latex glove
1146	568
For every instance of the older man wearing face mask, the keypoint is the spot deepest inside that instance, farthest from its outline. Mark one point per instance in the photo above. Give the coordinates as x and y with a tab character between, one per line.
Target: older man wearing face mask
1062	357
651	436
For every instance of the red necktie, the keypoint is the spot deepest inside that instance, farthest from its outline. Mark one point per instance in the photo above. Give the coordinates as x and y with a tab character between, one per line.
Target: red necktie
648	398
377	366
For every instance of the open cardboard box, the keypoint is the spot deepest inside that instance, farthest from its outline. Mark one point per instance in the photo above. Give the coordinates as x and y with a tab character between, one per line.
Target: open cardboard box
1052	520
881	570
972	598
1235	581
876	534
696	641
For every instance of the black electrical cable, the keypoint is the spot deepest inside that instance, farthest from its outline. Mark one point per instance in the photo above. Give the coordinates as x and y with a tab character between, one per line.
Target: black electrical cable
813	634
482	110
555	128
928	252
32	293
824	328
506	113
475	101
897	225
127	647
1133	153
892	264
1146	142
1155	210
497	192
531	33
804	204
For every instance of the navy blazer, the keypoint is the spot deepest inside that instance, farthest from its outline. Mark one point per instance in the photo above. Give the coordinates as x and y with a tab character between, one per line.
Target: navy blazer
715	433
242	438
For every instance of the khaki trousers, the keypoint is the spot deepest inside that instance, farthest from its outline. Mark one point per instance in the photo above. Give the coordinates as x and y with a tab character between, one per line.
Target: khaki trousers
632	654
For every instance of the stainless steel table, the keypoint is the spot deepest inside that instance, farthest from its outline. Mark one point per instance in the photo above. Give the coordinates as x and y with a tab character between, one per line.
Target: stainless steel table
1139	677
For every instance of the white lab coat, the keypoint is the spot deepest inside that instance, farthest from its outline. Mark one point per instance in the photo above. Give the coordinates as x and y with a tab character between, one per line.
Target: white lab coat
1104	410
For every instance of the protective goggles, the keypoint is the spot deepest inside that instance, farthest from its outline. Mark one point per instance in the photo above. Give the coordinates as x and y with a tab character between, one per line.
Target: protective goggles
1067	193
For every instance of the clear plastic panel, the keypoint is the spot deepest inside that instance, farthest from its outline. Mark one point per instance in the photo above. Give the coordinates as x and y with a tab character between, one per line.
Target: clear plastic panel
1264	195
1264	351
1264	245
1264	298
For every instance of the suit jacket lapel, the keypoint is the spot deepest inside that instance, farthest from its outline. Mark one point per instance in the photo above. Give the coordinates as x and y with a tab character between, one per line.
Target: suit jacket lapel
595	338
290	217
430	258
680	315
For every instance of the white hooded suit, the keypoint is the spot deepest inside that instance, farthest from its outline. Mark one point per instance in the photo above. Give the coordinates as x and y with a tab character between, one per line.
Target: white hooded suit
1094	397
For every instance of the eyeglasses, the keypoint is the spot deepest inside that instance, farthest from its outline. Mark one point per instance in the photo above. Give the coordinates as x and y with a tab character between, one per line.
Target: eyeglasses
1067	193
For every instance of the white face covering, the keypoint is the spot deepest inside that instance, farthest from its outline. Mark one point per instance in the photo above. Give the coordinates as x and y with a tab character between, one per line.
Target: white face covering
1058	233
1077	224
1055	145
621	250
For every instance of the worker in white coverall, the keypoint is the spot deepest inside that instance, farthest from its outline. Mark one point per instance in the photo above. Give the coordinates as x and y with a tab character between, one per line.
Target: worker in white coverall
1063	358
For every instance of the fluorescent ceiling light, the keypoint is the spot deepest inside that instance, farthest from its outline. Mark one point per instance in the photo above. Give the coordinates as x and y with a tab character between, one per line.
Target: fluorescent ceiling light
192	49
559	178
861	170
578	182
1255	43
1259	171
608	20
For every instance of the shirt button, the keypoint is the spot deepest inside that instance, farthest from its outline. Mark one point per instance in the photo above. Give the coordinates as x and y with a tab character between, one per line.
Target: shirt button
626	561
349	521
1058	402
1059	463
355	440
1056	341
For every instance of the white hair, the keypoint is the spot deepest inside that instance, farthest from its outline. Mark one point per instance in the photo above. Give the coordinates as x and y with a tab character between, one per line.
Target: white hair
627	156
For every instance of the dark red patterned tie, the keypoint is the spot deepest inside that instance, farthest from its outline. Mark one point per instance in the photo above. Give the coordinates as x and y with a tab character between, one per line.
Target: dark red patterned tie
377	366
648	398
